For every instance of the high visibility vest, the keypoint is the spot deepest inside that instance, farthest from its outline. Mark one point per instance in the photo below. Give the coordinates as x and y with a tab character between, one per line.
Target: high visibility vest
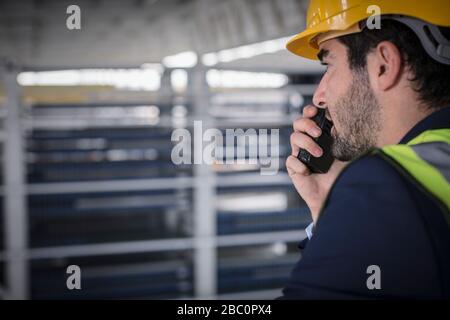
425	160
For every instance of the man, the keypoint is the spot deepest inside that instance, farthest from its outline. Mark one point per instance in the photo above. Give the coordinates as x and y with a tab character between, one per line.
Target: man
381	213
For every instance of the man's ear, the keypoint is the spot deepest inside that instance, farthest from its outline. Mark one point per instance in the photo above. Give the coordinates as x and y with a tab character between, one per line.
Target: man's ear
385	65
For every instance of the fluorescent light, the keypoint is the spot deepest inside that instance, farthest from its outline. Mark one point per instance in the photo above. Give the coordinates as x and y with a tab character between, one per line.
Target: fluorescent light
250	202
187	59
241	79
210	59
245	52
179	111
133	79
156	66
179	80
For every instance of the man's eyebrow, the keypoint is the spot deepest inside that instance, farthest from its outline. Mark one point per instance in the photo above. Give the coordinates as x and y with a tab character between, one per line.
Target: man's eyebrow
323	53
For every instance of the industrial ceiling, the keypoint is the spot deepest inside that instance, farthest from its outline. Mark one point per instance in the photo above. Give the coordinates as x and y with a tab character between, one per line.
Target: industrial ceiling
33	33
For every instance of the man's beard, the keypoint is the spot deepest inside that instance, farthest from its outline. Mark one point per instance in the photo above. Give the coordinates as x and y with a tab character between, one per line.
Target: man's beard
359	116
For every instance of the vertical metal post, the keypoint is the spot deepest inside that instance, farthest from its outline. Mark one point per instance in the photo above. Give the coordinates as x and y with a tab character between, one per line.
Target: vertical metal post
15	209
205	255
165	93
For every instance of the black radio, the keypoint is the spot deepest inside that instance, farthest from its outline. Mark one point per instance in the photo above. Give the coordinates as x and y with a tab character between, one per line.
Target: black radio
323	163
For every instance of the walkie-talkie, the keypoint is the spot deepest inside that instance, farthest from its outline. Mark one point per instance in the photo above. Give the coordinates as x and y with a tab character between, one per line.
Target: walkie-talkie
323	163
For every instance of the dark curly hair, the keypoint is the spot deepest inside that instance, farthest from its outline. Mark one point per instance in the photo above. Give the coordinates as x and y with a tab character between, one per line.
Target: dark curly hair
431	79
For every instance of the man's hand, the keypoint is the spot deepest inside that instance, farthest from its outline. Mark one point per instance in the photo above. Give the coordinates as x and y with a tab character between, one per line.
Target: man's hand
313	188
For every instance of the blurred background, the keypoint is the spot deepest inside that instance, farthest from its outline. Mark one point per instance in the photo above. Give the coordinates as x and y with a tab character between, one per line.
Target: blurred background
86	118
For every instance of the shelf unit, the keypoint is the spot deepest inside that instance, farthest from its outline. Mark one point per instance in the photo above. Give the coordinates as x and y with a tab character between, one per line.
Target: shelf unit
202	252
2	240
14	197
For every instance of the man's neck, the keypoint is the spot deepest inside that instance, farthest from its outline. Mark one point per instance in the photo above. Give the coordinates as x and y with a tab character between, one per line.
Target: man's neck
397	123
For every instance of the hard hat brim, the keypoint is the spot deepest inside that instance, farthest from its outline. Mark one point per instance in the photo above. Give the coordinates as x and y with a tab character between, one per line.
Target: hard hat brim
304	45
434	12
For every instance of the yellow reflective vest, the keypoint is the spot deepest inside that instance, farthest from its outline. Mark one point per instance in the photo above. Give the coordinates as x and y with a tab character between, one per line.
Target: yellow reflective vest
425	160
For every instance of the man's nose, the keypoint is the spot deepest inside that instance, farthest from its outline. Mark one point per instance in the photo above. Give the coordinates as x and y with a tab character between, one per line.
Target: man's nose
319	94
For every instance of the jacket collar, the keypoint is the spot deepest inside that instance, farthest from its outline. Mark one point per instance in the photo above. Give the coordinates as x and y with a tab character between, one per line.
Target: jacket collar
437	120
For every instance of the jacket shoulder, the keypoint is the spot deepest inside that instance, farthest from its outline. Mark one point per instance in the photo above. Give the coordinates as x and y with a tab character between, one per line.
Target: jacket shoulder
371	168
371	217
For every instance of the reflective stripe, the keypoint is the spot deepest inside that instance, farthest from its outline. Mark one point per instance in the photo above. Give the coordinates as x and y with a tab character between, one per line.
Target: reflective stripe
437	154
439	135
427	159
423	172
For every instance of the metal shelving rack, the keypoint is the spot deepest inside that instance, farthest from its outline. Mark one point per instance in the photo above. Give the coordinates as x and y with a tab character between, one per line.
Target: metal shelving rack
14	191
2	140
204	242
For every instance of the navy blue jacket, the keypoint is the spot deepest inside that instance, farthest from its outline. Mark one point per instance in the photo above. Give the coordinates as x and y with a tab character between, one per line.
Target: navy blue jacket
376	216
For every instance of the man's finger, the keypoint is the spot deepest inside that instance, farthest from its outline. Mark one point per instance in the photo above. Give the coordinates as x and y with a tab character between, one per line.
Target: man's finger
307	125
294	167
303	141
309	111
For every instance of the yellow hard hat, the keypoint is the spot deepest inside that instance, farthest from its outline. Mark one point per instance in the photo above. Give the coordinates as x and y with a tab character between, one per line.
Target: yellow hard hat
328	19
